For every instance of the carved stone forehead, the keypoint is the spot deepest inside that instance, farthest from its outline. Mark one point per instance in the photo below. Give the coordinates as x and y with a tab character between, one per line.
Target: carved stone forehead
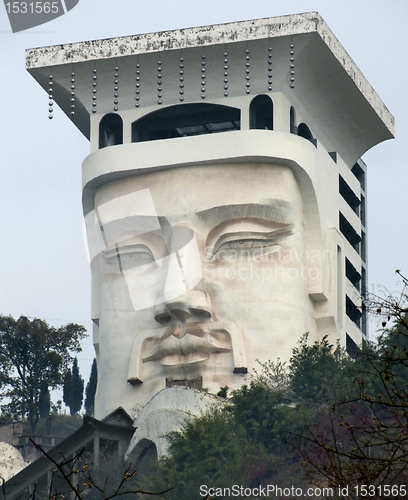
201	188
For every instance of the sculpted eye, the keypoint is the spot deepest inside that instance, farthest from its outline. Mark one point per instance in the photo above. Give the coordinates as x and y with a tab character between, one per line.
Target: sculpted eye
135	255
245	244
251	240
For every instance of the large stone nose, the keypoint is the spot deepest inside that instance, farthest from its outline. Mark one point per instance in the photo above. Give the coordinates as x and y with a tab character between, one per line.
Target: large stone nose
194	305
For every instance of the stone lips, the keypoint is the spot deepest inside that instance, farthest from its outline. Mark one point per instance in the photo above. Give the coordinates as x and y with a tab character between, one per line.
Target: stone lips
185	344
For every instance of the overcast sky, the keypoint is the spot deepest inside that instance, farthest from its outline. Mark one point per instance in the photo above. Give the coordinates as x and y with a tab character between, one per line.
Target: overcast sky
43	267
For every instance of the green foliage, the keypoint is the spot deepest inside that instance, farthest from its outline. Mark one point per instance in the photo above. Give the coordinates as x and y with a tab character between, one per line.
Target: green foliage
44	407
315	420
33	359
73	389
213	450
245	443
393	349
44	404
363	437
90	390
77	389
275	376
261	413
319	372
66	394
223	392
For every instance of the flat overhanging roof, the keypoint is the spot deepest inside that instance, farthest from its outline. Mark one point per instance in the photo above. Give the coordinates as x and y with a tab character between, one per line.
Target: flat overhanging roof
327	81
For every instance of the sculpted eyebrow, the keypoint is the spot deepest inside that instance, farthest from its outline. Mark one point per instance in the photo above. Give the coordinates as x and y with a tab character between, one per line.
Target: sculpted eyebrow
279	211
126	227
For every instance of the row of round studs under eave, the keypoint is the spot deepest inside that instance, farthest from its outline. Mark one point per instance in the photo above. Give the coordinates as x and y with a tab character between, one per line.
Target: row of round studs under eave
181	81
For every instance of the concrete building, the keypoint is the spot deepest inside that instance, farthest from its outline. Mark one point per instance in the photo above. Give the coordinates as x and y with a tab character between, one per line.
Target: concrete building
224	197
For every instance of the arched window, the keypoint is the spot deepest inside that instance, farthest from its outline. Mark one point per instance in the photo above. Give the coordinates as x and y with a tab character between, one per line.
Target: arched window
110	130
184	120
261	113
304	131
293	127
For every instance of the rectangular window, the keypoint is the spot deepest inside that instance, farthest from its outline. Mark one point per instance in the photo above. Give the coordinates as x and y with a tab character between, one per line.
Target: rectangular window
348	194
353	312
359	171
351	347
352	274
349	232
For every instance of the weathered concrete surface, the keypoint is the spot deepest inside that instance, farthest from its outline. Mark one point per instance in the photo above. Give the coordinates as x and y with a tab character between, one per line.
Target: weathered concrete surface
257	29
168	411
11	461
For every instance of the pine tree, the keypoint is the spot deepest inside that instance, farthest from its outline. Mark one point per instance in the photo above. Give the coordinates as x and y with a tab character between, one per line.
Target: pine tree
77	389
67	392
91	390
73	389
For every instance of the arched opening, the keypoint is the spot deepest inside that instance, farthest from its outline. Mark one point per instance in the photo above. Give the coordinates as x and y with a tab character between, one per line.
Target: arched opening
110	130
184	120
261	113
304	131
143	457
293	127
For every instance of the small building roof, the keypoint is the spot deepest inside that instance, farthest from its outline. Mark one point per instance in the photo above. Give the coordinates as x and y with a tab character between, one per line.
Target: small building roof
118	425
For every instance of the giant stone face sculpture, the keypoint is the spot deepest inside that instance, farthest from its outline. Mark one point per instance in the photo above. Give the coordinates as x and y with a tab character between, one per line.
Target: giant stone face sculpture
202	272
224	201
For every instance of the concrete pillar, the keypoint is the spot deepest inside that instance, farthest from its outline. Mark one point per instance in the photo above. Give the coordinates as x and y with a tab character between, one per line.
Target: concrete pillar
281	113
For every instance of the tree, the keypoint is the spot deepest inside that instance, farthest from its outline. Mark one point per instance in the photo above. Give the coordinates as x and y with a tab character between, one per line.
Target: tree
44	407
212	450
44	403
363	439
283	428
91	390
33	359
73	389
325	419
66	394
319	372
